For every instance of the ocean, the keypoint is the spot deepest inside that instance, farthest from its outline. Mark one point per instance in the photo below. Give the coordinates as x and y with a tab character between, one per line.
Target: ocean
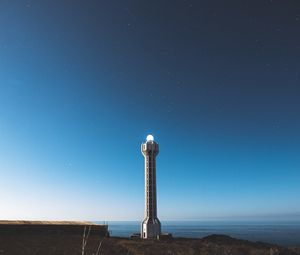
282	233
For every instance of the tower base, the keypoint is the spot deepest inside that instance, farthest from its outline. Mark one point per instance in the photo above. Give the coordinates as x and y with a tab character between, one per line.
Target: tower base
151	228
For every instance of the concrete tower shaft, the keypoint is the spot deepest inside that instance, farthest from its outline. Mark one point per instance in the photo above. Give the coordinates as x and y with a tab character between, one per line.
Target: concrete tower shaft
151	227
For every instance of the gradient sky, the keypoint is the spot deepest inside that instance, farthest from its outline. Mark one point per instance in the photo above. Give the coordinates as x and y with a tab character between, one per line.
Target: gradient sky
83	82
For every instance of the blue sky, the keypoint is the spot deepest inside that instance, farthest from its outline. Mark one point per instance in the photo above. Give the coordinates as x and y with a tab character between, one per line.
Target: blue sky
82	85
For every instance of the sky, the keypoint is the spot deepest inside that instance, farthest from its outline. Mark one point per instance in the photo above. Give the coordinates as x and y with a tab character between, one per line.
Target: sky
82	83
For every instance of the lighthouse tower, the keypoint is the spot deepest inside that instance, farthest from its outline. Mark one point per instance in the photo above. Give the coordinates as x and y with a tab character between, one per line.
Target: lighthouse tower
151	227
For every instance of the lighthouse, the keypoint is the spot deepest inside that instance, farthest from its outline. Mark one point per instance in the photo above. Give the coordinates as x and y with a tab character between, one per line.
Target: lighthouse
151	227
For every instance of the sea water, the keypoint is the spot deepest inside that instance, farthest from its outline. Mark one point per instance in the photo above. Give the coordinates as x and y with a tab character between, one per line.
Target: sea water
282	233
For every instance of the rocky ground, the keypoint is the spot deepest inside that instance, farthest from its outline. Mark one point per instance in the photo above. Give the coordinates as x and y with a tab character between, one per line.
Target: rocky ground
72	244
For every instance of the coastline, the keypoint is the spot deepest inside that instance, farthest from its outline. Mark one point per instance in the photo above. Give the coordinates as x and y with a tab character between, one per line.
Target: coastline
283	233
57	238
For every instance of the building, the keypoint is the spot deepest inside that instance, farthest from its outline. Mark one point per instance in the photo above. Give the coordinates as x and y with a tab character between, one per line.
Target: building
151	227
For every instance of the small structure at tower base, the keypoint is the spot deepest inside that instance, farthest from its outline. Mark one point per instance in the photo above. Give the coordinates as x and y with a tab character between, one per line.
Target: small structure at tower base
165	236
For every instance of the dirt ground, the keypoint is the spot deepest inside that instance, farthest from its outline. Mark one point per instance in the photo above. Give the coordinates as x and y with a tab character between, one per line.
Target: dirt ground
72	245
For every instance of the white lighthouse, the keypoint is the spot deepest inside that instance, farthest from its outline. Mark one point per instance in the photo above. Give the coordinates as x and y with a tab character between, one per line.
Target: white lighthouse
151	227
